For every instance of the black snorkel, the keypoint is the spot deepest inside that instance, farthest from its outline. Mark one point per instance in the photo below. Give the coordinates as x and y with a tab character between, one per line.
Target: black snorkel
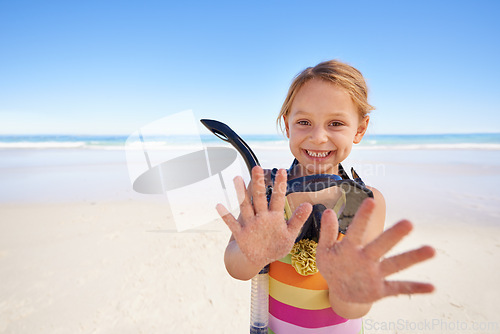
259	309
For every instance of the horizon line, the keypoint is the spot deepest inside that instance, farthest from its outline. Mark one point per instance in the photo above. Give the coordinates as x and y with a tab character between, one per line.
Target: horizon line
242	134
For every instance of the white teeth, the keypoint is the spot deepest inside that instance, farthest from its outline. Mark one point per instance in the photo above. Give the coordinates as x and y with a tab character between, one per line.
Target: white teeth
318	154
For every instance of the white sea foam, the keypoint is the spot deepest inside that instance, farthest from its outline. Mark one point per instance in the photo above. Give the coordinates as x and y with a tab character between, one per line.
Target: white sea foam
458	146
41	145
153	146
382	142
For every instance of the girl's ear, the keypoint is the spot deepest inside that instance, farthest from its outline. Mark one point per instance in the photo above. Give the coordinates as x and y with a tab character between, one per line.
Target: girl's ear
362	127
287	128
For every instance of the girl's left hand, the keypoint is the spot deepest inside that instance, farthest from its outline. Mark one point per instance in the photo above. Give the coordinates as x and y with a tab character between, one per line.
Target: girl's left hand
356	273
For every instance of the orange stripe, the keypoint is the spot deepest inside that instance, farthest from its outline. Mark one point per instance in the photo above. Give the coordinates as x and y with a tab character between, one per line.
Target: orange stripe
285	273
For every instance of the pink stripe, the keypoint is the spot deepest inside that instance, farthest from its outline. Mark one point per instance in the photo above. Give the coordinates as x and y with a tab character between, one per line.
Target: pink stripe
304	318
349	327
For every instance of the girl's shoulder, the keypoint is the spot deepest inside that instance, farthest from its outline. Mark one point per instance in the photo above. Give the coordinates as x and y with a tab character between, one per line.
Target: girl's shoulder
378	216
377	195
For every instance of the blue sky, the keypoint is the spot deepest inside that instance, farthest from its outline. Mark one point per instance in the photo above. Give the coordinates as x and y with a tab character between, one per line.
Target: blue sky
96	67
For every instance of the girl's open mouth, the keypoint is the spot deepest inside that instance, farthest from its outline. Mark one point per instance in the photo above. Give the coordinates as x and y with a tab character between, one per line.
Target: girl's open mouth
318	154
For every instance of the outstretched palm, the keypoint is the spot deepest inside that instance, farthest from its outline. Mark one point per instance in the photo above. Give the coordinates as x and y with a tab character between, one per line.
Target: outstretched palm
355	272
261	231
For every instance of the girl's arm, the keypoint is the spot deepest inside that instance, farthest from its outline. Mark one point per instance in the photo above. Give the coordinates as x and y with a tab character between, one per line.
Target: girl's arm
237	264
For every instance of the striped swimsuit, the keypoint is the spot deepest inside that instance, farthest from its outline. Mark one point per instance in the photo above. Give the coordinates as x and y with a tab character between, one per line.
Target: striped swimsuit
300	304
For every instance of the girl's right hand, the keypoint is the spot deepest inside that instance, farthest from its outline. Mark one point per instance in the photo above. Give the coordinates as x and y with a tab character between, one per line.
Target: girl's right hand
261	231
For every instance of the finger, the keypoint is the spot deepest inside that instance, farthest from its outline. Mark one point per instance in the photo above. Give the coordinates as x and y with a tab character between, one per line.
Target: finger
329	229
229	219
399	262
246	208
357	229
258	190
277	202
381	245
393	288
299	217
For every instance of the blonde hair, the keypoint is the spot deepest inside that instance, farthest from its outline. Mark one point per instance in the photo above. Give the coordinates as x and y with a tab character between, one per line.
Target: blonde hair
336	72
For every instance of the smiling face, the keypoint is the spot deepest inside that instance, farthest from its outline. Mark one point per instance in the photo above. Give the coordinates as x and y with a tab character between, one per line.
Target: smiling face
322	125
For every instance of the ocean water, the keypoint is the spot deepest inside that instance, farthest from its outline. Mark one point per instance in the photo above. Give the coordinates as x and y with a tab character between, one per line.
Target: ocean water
437	170
478	141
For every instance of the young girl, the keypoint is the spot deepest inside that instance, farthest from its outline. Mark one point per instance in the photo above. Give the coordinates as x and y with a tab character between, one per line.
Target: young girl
324	113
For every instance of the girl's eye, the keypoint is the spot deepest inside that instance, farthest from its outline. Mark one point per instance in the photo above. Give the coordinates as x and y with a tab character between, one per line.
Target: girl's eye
335	123
303	122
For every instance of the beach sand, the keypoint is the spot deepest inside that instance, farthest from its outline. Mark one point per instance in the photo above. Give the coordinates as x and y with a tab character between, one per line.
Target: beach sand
90	256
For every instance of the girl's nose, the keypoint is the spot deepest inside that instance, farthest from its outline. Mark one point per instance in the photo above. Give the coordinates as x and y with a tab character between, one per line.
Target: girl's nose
319	135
